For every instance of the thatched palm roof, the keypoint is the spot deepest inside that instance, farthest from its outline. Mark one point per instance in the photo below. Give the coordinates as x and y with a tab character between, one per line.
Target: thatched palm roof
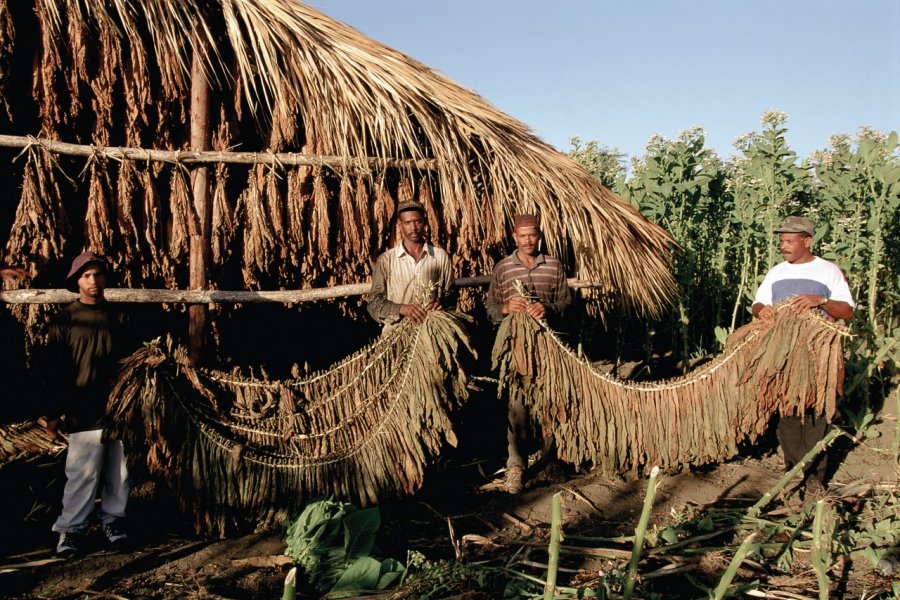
284	78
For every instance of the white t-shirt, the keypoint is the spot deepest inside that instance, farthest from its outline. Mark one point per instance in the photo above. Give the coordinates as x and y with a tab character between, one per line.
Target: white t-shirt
819	277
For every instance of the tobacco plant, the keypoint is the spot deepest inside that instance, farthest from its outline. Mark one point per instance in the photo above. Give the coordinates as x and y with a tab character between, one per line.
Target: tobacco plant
722	215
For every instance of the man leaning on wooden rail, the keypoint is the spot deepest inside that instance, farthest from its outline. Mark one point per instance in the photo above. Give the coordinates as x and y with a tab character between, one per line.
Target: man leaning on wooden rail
806	282
531	282
413	277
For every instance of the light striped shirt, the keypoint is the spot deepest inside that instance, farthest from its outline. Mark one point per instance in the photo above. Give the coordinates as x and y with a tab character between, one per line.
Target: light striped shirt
399	279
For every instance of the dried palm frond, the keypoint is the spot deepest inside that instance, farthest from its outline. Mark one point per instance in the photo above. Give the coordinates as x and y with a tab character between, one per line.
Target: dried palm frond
238	448
787	367
296	80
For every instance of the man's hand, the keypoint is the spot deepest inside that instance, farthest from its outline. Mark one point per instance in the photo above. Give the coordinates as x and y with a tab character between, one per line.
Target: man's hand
51	426
433	304
536	310
765	312
516	304
413	312
807	301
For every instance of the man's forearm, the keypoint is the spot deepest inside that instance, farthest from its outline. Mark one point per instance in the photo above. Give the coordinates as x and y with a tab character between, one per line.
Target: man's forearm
381	309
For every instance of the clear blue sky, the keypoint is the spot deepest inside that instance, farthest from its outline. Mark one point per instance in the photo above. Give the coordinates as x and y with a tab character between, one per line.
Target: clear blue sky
619	72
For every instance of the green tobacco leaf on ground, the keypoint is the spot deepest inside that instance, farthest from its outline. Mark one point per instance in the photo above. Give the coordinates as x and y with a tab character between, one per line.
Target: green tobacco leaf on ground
359	532
362	574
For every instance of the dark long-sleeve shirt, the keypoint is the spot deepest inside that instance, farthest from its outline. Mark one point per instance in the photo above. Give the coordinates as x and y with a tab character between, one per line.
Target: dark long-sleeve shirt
545	282
85	345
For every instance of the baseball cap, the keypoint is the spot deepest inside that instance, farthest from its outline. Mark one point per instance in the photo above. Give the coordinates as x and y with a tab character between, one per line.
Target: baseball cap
794	224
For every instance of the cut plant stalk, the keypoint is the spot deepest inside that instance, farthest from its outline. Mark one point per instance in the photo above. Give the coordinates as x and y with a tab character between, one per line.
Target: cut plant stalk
754	510
819	553
739	556
639	534
553	551
290	585
896	446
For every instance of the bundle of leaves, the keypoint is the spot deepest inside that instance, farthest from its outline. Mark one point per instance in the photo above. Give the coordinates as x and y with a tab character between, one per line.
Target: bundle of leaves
332	541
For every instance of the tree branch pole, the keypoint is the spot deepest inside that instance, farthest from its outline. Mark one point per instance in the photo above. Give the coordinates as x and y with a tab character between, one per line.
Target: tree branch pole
211	157
165	296
198	275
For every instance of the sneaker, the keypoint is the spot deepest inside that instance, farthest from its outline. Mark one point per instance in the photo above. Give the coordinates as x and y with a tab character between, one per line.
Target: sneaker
70	543
513	480
116	536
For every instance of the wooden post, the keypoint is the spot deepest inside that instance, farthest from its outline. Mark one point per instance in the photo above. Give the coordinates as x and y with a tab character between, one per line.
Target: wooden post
200	242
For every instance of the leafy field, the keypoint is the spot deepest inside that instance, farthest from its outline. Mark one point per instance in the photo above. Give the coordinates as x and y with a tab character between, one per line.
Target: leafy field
722	213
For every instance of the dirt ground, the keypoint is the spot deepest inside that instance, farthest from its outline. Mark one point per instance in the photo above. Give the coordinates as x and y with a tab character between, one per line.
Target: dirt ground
459	513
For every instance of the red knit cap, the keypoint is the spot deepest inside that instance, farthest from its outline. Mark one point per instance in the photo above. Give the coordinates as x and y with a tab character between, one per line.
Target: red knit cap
526	220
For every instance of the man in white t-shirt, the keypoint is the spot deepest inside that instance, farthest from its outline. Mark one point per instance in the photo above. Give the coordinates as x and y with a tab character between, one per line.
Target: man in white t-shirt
807	282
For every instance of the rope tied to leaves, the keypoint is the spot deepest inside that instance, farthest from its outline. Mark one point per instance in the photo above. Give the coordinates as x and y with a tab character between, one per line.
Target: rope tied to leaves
238	448
790	366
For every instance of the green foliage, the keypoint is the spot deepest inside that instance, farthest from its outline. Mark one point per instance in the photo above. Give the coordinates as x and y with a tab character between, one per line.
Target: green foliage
680	185
427	579
722	215
606	164
331	541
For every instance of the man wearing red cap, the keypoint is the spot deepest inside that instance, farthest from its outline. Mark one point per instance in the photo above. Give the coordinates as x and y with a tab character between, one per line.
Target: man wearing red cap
86	341
805	282
542	279
412	278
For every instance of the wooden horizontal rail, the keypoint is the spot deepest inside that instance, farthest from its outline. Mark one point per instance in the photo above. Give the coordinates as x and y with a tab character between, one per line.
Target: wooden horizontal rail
195	157
164	296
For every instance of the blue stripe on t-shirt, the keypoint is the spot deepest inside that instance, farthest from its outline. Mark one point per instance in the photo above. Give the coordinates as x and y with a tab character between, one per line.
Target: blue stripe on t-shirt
786	289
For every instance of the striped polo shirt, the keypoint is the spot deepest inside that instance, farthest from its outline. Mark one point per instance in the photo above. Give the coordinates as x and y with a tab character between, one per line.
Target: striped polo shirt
544	282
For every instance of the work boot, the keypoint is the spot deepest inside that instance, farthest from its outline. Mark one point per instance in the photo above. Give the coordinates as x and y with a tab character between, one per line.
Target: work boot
513	480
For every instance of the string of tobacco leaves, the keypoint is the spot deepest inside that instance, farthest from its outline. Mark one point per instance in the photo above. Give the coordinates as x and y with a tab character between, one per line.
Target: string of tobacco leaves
236	448
790	366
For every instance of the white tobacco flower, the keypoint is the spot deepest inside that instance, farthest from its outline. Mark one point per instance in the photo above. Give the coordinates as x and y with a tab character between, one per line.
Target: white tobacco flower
774	118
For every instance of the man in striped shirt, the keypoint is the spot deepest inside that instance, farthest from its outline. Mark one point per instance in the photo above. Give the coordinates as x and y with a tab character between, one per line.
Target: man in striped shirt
411	278
543	281
542	278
